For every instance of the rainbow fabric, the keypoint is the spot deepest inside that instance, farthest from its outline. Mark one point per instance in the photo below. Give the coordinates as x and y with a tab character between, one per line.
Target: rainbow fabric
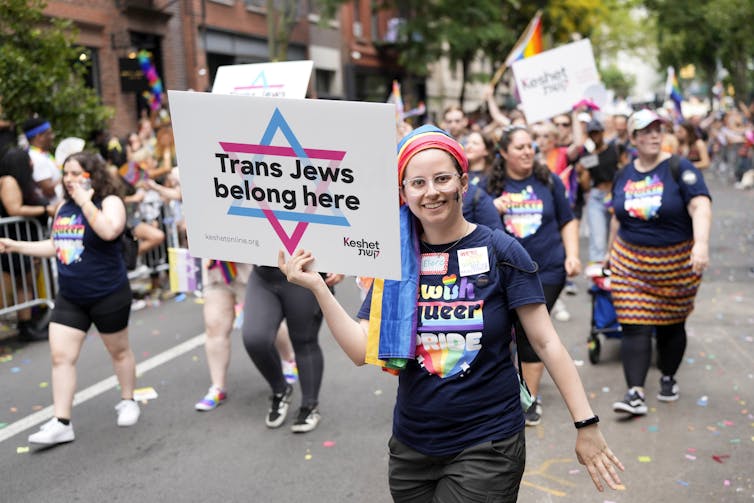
154	95
229	270
530	42
673	91
397	100
391	339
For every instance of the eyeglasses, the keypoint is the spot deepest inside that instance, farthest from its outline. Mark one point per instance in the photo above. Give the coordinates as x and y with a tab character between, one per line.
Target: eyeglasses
440	181
562	124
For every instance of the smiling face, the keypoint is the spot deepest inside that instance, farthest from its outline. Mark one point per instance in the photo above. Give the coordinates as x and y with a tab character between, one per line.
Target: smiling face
519	155
430	205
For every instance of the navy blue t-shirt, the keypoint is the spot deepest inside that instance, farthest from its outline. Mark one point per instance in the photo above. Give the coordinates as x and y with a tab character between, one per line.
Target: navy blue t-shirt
462	387
478	179
89	267
535	215
651	206
479	209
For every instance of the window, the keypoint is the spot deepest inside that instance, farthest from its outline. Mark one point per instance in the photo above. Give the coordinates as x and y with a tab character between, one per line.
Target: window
323	81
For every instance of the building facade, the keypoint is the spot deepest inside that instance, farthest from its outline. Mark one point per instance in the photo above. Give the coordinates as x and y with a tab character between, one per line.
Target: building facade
189	39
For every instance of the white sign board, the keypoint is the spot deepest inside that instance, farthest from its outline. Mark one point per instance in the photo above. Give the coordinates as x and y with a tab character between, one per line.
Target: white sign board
259	175
551	82
287	79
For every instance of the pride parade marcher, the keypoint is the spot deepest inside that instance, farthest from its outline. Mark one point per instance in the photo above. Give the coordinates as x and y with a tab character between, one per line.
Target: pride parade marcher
458	424
660	247
93	289
534	207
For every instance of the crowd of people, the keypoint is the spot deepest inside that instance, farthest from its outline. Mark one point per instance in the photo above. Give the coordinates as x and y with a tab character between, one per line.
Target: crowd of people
518	191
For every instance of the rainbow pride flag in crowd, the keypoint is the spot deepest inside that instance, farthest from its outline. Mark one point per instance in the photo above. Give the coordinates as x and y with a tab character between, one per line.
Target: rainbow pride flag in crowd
673	91
530	42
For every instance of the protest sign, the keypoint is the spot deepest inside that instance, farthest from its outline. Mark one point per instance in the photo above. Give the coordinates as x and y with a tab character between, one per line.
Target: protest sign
287	79
552	81
259	175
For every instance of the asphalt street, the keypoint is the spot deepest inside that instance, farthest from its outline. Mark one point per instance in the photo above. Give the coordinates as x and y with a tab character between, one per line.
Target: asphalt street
699	449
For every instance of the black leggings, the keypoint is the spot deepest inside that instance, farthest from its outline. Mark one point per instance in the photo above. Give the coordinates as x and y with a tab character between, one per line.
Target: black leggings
636	350
528	355
269	299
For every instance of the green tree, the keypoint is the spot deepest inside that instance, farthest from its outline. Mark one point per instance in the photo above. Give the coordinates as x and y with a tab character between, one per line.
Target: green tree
615	79
282	16
40	71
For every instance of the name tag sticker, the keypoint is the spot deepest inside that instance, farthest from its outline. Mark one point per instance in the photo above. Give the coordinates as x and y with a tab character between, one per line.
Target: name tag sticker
434	263
589	161
472	261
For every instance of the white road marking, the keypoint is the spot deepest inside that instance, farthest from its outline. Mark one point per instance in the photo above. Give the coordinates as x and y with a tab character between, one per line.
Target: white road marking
104	385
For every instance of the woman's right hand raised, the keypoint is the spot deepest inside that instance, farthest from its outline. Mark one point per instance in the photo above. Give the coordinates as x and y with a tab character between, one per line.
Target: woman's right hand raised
295	269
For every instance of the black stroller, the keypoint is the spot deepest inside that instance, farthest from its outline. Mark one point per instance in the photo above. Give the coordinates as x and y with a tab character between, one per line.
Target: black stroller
604	319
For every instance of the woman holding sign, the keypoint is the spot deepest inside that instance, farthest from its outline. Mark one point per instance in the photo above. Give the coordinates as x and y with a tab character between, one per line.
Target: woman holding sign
458	424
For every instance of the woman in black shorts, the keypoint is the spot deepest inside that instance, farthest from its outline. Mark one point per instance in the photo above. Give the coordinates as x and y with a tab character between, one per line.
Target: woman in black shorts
93	288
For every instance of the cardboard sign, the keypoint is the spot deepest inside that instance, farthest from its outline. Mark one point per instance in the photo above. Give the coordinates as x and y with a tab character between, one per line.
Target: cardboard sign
287	79
260	175
551	82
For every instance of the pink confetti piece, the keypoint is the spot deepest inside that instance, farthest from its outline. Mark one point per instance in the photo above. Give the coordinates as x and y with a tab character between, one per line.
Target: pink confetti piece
689	456
720	457
328	443
726	483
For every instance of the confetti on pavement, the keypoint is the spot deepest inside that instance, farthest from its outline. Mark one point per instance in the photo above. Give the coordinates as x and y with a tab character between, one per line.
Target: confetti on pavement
328	443
645	459
22	450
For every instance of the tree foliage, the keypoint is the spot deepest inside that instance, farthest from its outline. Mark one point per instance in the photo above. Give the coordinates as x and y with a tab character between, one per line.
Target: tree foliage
40	71
704	33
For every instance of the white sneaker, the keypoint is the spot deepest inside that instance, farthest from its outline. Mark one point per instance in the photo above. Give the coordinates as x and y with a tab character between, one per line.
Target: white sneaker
53	432
559	311
128	412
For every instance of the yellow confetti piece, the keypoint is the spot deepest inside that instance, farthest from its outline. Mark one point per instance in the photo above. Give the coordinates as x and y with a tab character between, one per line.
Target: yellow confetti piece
195	358
645	459
22	450
308	457
44	384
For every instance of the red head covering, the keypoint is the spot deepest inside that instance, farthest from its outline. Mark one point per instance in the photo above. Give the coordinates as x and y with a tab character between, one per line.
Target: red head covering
424	138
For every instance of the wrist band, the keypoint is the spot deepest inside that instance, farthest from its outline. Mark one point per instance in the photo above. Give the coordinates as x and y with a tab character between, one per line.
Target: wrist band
586	422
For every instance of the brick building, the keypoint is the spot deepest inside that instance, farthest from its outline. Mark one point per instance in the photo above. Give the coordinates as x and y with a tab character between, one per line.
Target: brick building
190	39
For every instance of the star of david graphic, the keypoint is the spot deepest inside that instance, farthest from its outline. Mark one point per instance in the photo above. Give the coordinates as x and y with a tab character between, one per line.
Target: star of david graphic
263	85
296	151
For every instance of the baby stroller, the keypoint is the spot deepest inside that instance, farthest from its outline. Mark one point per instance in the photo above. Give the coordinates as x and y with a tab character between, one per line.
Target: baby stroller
604	319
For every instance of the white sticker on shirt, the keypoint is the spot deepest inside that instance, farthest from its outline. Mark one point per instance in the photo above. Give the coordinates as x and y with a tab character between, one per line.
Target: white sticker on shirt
589	161
472	261
434	263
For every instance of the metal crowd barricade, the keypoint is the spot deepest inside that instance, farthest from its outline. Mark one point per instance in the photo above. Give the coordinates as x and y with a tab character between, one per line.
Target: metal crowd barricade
26	283
156	259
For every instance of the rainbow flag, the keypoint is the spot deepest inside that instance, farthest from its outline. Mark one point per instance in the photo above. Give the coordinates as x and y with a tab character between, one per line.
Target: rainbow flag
397	100
673	91
530	42
391	339
229	270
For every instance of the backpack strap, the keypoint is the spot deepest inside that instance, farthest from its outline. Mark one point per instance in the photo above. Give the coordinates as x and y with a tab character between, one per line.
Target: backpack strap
675	167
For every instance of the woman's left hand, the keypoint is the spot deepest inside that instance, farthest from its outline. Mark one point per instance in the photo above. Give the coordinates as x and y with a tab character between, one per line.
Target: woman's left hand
572	266
592	451
699	257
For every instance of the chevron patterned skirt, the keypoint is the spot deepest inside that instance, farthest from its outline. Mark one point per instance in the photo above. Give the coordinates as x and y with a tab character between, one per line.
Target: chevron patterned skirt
652	285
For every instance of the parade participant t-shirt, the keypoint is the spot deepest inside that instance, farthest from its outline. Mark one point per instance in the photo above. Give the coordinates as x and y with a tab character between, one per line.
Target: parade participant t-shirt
478	208
462	388
535	215
89	267
655	197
